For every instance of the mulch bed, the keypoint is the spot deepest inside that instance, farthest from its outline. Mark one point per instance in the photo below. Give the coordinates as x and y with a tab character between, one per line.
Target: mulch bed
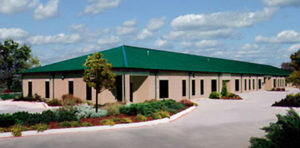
231	98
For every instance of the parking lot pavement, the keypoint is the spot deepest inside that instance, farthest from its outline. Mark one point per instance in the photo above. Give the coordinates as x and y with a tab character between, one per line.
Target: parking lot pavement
9	106
214	124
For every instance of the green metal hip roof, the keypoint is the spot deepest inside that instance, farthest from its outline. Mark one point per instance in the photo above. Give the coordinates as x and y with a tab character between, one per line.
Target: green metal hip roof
144	58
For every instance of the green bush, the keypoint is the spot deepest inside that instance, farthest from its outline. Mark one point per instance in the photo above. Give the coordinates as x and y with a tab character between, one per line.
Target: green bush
64	124
86	124
156	115
40	127
164	114
74	123
54	102
65	115
86	111
17	129
140	117
29	119
284	133
6	120
116	119
107	122
215	95
112	108
126	120
224	91
10	96
291	100
148	108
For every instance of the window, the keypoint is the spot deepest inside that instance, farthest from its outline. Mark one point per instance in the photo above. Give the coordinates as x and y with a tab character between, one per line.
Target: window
88	92
183	88
71	87
237	85
253	84
274	83
193	88
163	89
213	85
201	87
249	84
47	89
29	88
259	84
245	84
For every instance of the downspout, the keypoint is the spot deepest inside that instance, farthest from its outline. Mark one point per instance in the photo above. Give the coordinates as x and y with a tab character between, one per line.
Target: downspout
189	86
218	82
155	87
241	83
53	76
124	89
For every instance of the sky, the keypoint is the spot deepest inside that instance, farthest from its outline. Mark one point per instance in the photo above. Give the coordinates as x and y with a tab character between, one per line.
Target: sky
260	31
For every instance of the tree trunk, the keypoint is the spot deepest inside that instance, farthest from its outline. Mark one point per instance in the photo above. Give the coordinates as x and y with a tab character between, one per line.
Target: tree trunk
97	100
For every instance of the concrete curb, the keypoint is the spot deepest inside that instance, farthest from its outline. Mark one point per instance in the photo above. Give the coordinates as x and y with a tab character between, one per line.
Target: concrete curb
102	128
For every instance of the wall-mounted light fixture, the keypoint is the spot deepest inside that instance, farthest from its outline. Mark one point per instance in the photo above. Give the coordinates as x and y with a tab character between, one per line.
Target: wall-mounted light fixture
62	77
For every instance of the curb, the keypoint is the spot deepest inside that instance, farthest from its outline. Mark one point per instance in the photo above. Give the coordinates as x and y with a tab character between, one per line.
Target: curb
102	128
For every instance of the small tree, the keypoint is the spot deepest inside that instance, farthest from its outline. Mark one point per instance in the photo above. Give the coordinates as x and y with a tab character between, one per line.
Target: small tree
224	91
98	74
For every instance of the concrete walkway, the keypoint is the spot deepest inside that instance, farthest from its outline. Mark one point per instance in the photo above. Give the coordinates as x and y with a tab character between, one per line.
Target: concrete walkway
215	123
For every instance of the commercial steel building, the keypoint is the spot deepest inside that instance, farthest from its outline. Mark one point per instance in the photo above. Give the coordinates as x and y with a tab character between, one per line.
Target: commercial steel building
144	74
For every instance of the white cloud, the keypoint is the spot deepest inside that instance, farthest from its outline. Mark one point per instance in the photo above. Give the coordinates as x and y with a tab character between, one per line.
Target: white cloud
153	26
282	3
58	39
161	43
208	43
294	48
128	27
192	35
13	33
46	11
156	23
16	6
98	6
109	40
285	36
221	20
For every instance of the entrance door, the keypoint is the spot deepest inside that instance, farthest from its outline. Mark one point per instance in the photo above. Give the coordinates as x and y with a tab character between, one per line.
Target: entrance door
163	89
118	84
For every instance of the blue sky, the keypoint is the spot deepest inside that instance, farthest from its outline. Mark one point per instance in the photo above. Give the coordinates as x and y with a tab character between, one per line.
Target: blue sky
261	31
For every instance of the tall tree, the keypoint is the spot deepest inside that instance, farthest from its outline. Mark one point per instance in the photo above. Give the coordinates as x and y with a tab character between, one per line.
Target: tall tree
13	59
98	74
287	66
294	77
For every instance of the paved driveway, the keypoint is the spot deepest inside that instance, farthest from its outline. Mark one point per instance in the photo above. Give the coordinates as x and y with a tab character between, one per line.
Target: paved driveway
215	123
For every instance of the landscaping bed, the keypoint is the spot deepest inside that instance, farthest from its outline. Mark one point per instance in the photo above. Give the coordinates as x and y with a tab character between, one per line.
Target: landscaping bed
291	100
277	89
84	115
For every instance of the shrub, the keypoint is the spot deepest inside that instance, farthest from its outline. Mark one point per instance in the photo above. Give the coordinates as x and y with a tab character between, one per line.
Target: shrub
90	103
86	124
74	123
156	115
140	117
64	124
107	122
224	91
112	108
164	114
34	98
7	96
54	102
34	118
40	127
6	120
126	120
187	102
70	100
17	129
86	111
116	119
148	109
291	100
284	133
63	114
215	95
